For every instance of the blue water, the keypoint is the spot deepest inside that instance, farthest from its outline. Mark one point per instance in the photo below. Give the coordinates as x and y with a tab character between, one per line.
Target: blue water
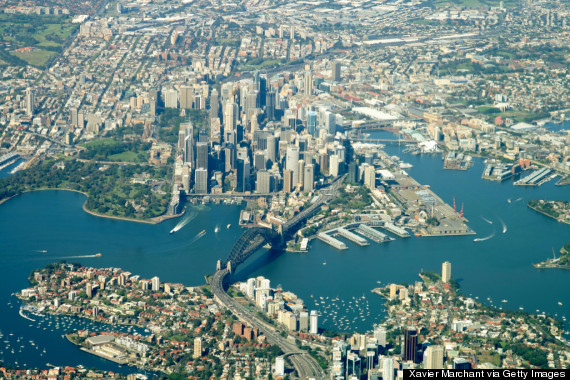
498	268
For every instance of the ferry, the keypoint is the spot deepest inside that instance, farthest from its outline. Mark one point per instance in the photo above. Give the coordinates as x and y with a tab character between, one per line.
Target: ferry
173	230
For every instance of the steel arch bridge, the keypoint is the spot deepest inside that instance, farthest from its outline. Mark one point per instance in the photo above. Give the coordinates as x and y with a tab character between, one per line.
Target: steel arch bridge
248	243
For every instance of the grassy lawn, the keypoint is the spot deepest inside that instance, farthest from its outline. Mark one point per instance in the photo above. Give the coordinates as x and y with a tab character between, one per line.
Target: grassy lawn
35	57
129	157
259	64
49	32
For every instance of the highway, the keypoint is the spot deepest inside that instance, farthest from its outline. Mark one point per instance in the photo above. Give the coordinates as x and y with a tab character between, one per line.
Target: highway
305	366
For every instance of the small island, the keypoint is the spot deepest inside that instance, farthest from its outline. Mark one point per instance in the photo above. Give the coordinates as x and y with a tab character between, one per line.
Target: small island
559	210
561	262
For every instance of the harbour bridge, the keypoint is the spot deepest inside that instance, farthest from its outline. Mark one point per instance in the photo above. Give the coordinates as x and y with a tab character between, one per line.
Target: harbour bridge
248	243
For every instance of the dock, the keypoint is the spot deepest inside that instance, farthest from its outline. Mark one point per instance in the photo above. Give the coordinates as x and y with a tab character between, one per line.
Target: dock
396	230
373	234
352	237
456	161
331	241
535	178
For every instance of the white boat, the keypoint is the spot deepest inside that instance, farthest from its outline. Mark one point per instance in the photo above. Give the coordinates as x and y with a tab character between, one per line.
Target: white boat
559	303
229	225
216	229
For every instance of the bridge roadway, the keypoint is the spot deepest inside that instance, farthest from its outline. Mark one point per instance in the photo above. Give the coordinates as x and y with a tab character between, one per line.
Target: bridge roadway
250	241
304	364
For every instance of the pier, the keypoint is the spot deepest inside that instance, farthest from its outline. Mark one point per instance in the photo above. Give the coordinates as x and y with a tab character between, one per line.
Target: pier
535	178
372	234
396	230
331	241
352	237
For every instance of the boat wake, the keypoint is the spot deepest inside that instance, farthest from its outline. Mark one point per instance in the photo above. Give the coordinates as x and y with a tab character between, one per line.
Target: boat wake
504	225
78	257
187	219
485	238
487	220
518	199
198	236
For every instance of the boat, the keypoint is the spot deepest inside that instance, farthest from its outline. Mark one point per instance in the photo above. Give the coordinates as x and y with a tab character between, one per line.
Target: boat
216	229
324	263
98	254
229	225
173	230
504	301
202	233
559	303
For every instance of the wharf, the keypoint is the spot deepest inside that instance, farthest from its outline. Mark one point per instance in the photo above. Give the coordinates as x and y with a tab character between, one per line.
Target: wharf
457	161
116	360
396	230
535	178
372	234
331	241
352	237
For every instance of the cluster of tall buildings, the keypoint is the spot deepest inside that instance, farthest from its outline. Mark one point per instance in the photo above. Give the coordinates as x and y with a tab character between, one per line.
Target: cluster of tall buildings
265	135
285	307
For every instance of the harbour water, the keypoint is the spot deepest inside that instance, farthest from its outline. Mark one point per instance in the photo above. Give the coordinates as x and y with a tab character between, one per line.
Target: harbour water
497	268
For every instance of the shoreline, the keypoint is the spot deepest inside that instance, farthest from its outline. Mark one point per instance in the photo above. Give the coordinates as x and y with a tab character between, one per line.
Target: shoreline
155	220
545	214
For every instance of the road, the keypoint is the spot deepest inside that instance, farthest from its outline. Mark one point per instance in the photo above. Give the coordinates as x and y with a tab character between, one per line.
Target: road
304	364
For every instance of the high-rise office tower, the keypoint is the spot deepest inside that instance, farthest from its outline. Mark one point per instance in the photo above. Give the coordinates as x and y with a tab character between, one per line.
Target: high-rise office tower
433	357
202	155
271	145
214	104
333	165
312	123
230	117
287	181
308	83
335	71
388	369
461	363
259	160
309	178
30	102
263	182
201	181
243	173
445	272
186	96
73	116
292	163
330	123
410	344
270	105
370	177
171	98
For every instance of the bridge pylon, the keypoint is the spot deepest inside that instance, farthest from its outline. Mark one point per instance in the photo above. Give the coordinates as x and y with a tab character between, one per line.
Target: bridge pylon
229	266
219	265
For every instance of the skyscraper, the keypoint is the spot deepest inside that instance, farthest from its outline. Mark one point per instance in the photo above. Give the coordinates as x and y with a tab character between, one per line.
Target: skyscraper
333	165
270	103
243	173
201	181
186	96
312	123
380	335
202	155
370	177
171	98
292	163
263	182
410	344
287	180
314	322
230	117
308	83
30	102
309	178
445	272
335	71
433	357
155	284
388	369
